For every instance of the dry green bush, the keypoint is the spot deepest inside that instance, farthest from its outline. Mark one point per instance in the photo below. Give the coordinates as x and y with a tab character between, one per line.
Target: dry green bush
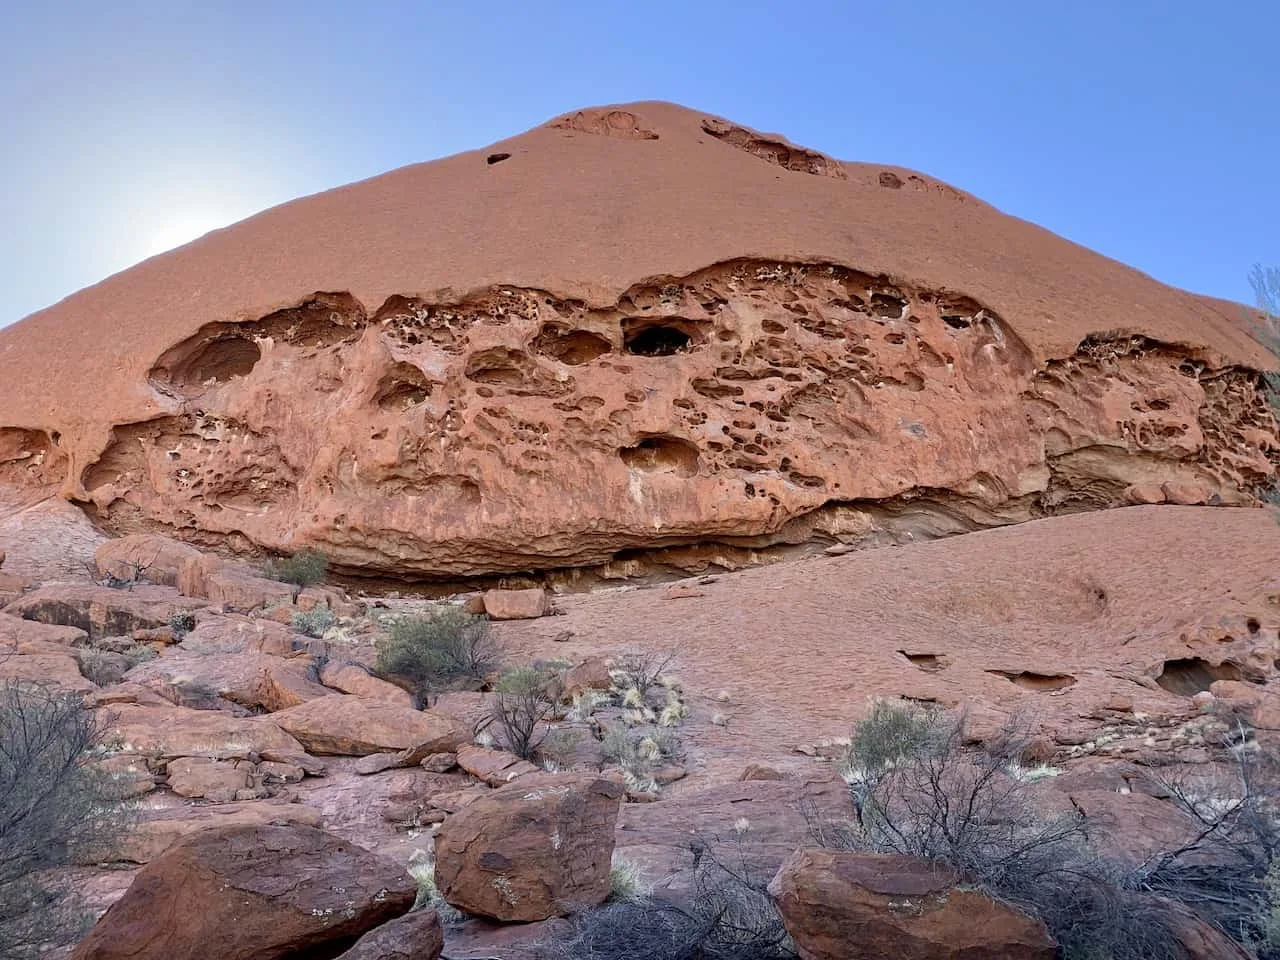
304	569
56	809
444	650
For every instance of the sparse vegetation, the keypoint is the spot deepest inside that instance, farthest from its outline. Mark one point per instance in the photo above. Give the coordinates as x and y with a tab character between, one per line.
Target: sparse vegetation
443	651
313	623
522	706
422	867
918	789
182	623
640	671
626	882
728	915
56	809
304	569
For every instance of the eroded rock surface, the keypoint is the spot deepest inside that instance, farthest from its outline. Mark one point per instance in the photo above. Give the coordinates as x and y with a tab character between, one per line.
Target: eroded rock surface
530	850
739	405
250	893
849	906
859	354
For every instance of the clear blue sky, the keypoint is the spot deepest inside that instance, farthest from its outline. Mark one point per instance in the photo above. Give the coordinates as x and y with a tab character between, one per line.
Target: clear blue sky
1148	131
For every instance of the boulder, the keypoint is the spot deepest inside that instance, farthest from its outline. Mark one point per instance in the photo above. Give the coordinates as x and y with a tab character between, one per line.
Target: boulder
415	936
529	852
494	767
232	585
840	905
591	674
56	669
168	732
216	780
156	558
157	830
516	604
356	680
352	726
12	587
250	893
103	611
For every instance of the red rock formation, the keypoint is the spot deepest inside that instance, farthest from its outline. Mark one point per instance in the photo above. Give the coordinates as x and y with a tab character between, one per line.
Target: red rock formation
633	329
259	892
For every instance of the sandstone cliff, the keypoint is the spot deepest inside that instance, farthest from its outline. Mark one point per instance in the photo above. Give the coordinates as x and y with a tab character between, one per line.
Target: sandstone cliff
632	336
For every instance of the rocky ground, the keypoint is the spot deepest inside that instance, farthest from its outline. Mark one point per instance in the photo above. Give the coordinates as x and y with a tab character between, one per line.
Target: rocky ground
1118	638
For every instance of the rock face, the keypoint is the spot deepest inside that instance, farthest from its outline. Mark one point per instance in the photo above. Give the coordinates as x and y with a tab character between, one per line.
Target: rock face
415	936
353	726
530	850
250	893
590	387
848	906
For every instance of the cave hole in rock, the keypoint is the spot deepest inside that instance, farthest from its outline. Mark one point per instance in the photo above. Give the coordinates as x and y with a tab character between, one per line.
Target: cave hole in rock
404	385
499	366
660	337
957	322
573	347
888	306
1031	680
662	454
1190	675
493	158
928	662
217	361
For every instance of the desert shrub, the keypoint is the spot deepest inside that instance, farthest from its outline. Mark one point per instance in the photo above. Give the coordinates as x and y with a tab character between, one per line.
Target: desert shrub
626	882
314	622
920	790
141	653
422	867
728	915
558	748
640	671
892	732
1227	872
303	569
442	651
56	809
182	623
101	667
640	752
521	707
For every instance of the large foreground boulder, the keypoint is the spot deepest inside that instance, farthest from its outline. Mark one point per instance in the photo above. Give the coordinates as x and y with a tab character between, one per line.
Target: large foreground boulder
353	726
250	893
839	905
530	851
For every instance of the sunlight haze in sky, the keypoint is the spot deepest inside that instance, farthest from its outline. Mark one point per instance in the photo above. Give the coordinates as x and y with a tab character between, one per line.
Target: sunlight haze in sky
1144	130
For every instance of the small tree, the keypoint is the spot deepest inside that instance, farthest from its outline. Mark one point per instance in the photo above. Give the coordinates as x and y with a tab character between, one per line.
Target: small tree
439	652
304	569
56	809
522	705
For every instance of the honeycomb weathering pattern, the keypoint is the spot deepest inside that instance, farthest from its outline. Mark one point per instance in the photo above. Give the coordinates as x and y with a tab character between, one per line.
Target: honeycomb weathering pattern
645	336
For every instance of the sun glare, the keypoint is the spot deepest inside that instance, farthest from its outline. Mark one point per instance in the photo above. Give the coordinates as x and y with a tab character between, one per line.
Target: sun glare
179	227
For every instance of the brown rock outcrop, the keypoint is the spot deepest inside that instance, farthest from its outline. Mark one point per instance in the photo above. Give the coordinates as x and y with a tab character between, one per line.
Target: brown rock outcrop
103	611
516	604
592	391
415	936
356	680
250	893
353	726
839	905
529	852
